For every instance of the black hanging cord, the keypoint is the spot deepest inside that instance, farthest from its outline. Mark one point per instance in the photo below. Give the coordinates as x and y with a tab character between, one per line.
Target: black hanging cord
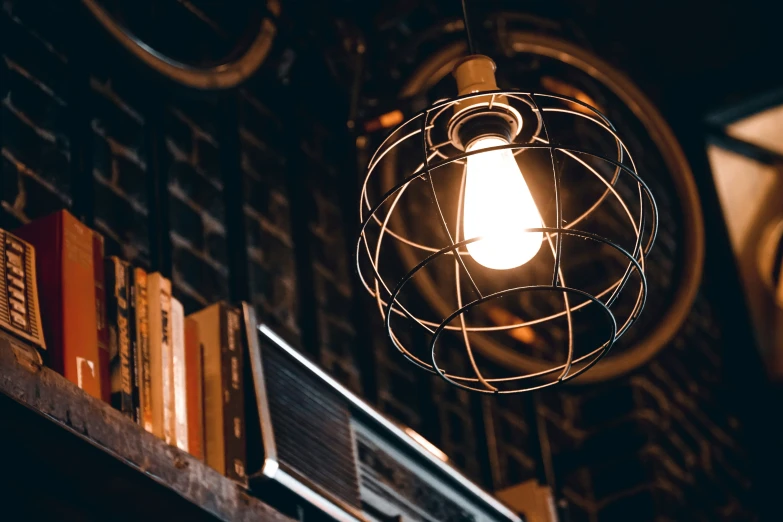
467	28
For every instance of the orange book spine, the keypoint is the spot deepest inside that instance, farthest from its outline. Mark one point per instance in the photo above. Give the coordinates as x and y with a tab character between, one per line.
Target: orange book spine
194	389
100	314
67	294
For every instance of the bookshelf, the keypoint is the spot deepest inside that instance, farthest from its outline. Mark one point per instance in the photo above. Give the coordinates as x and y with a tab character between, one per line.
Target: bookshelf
68	456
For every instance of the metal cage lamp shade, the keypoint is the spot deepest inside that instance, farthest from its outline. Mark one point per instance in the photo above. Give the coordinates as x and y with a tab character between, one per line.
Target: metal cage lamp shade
427	172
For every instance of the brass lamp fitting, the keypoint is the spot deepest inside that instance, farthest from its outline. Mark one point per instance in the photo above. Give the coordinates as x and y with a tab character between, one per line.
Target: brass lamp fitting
480	115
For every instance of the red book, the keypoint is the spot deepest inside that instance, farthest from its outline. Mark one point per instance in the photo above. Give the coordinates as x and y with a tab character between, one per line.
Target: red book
100	314
66	290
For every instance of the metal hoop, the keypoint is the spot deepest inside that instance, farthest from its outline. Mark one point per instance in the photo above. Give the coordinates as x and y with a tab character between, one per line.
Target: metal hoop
428	159
690	246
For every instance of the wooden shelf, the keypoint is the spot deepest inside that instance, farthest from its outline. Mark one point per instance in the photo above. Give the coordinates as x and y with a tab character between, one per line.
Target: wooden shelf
67	456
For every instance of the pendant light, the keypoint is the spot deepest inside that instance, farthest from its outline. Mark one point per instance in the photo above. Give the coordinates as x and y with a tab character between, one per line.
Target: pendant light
493	168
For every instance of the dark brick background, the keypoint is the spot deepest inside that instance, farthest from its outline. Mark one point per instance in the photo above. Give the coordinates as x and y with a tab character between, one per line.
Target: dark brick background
678	439
332	275
35	114
197	210
37	125
127	111
267	212
119	169
660	443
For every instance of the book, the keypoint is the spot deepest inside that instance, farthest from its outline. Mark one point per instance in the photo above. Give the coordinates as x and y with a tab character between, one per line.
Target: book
194	389
141	353
66	290
161	371
224	417
100	315
236	443
120	330
179	370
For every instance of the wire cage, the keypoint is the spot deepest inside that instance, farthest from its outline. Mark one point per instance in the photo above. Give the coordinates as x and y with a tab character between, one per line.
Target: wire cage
577	168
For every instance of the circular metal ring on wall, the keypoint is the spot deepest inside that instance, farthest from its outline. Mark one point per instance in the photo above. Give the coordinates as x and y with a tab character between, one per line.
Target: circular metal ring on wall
441	63
223	76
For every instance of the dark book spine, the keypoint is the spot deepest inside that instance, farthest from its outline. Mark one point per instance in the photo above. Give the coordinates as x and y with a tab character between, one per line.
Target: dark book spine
100	315
233	408
143	350
118	318
133	346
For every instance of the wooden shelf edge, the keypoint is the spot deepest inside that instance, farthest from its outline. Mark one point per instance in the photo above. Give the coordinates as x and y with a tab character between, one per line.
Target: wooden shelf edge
53	397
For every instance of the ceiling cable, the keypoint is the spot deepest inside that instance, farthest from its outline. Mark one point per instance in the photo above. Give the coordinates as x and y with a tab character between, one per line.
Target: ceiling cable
467	28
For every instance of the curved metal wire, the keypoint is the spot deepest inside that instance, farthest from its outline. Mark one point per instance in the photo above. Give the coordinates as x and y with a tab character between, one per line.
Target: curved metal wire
440	110
597	353
381	201
401	187
223	76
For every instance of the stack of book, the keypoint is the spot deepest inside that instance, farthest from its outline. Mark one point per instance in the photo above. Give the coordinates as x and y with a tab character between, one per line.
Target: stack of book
117	332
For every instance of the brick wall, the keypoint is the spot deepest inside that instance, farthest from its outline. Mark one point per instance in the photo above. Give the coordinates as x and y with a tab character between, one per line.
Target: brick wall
37	126
267	210
123	122
129	111
34	117
658	443
672	445
119	168
191	160
667	442
197	211
332	282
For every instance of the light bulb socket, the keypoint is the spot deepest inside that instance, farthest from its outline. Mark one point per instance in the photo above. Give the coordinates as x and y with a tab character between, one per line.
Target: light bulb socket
480	122
475	73
488	114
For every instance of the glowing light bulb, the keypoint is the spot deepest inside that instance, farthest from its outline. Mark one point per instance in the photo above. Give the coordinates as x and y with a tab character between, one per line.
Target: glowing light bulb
498	206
